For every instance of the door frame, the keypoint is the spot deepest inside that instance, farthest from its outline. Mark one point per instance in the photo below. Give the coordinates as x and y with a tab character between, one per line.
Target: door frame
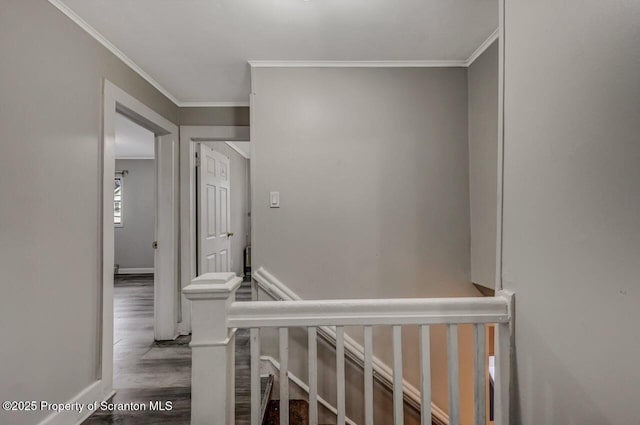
116	100
501	114
189	135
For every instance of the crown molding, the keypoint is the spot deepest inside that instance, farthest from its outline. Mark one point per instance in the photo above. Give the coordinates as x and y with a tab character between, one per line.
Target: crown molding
235	147
484	46
359	64
109	46
58	4
211	104
381	64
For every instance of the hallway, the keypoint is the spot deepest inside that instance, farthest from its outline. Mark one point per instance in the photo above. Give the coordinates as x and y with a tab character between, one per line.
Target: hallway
146	370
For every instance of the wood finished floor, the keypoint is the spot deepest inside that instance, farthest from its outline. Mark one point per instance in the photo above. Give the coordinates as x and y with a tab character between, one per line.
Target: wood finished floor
146	370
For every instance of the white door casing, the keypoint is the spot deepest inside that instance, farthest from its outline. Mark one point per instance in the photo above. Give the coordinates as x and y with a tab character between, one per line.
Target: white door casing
214	211
166	288
166	280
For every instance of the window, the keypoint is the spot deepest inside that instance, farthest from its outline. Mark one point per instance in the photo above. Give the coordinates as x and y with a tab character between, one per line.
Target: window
117	202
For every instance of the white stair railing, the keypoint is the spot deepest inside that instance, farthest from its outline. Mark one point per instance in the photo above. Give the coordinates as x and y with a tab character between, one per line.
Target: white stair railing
215	317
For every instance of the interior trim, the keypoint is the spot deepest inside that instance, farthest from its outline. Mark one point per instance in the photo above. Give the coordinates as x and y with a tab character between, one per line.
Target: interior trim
484	46
58	4
269	64
360	64
212	104
90	398
235	147
136	270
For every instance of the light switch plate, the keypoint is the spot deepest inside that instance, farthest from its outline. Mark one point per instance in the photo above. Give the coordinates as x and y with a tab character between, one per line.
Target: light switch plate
274	200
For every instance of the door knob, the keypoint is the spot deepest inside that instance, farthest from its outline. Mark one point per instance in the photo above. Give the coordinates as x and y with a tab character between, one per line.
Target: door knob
229	234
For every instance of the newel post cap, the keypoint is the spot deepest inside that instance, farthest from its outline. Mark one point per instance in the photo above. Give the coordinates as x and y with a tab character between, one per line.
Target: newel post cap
212	286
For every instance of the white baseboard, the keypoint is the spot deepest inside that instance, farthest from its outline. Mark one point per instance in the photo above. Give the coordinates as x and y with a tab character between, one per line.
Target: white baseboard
93	394
136	270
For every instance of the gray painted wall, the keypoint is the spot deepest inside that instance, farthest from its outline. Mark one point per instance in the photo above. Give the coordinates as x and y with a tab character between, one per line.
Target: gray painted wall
372	170
239	182
50	118
133	240
214	116
482	78
571	208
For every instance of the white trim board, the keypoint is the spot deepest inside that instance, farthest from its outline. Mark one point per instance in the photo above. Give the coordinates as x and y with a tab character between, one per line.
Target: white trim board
212	104
304	387
165	293
382	64
257	64
484	46
360	64
111	47
500	174
353	351
58	4
94	393
135	270
235	147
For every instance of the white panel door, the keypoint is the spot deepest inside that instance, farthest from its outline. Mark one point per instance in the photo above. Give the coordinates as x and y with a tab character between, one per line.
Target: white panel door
214	211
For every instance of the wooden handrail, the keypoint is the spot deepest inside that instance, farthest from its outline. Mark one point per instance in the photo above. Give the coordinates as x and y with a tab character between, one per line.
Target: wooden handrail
216	317
363	312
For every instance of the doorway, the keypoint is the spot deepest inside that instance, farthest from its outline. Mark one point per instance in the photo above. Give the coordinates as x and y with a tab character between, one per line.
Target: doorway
222	208
120	107
230	144
134	220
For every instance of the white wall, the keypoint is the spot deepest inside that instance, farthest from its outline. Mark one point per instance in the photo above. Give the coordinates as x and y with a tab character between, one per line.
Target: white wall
133	240
572	208
372	170
239	182
50	120
482	77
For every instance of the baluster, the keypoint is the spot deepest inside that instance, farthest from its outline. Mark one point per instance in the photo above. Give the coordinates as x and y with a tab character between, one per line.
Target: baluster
368	375
425	376
398	411
452	363
313	376
256	408
284	376
340	375
479	370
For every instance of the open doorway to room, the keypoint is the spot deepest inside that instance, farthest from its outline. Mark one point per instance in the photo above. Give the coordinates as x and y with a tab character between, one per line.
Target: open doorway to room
134	222
140	295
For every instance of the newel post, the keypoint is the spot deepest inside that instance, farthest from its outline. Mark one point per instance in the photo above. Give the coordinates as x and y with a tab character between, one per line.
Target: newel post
212	348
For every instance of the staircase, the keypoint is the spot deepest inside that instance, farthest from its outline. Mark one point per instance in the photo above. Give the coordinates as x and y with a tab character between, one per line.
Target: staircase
221	321
298	413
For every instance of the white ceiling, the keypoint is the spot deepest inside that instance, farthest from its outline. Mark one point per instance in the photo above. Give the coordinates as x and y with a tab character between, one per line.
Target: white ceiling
198	49
132	140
